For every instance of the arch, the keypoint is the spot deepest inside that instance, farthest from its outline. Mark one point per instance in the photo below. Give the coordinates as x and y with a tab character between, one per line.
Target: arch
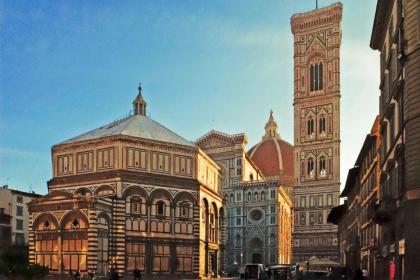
83	191
135	190
74	214
262	195
184	196
105	190
158	194
104	216
45	217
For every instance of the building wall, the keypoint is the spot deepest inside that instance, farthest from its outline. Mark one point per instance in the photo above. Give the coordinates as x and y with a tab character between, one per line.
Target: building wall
317	39
11	200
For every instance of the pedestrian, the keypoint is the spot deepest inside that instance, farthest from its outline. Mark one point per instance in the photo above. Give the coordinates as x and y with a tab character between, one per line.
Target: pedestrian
77	275
136	274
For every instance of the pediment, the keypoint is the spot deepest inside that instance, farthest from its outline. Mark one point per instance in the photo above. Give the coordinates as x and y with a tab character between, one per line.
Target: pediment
57	195
215	143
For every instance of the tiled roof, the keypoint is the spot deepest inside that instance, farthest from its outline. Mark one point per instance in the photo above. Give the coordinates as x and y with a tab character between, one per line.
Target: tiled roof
274	157
135	126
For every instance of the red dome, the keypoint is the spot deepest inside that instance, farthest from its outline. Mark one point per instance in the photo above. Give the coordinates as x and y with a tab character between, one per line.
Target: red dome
273	155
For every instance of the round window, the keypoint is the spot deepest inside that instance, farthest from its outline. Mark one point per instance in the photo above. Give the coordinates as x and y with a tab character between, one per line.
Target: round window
256	215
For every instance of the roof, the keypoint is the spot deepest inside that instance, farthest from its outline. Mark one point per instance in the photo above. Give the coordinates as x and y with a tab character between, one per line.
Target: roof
136	126
336	213
350	181
274	157
383	10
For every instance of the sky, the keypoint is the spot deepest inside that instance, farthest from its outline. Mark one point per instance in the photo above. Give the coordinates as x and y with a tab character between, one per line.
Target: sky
67	67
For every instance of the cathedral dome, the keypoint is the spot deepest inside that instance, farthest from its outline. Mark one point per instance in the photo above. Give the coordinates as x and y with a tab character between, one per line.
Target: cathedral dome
273	155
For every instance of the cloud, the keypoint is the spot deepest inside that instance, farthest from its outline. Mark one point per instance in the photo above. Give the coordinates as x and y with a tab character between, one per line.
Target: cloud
12	152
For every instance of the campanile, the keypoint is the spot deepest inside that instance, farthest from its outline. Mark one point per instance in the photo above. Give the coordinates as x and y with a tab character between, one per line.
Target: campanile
317	40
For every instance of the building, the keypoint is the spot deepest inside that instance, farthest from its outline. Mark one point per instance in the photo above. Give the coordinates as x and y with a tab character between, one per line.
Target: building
274	156
396	35
257	227
130	194
359	235
5	229
317	40
14	203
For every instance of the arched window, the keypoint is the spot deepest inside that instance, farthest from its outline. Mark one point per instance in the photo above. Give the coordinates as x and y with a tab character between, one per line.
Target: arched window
249	196
238	240
135	203
184	210
231	197
310	167
322	126
256	196
263	195
272	239
316	72
310	126
322	169
160	208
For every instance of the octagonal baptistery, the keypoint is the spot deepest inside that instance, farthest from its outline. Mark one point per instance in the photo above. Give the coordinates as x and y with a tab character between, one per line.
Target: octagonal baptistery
273	155
130	194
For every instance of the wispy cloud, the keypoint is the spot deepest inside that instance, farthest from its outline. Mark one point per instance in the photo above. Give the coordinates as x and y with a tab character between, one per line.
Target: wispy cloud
12	152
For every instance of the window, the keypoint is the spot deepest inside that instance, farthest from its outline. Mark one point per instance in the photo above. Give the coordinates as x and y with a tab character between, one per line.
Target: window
238	161
303	201
273	220
238	221
136	255
273	194
262	195
311	219
161	256
160	208
329	199
303	218
19	224
272	239
320	218
184	209
238	211
239	172
19	211
320	200
231	197
19	239
322	127
316	76
19	199
238	196
135	203
310	126
184	257
255	196
238	240
311	201
310	167
249	196
322	168
272	209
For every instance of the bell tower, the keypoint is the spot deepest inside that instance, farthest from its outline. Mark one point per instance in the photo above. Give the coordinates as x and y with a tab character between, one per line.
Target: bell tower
317	40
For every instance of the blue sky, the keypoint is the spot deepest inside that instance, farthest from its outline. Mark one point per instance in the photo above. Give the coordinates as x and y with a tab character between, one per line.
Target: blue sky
70	66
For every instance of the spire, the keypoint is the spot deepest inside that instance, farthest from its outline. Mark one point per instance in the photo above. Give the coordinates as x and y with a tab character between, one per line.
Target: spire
139	104
271	128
